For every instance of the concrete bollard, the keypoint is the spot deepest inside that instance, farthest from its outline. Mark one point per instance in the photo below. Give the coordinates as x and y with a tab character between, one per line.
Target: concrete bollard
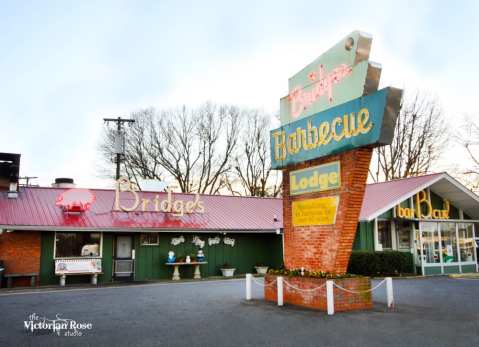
63	280
389	292
248	286
330	296
279	280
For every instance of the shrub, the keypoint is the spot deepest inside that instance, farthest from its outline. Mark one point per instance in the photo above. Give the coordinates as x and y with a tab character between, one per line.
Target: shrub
380	263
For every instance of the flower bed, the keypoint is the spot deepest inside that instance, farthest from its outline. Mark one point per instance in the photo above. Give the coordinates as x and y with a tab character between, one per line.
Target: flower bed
343	301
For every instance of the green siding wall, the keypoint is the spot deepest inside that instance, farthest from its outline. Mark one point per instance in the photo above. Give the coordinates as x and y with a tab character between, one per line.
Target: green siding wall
150	261
248	250
436	270
364	240
107	259
451	269
47	265
468	268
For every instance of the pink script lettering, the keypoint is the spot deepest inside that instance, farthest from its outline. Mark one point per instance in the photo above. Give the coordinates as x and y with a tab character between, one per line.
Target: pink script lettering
301	99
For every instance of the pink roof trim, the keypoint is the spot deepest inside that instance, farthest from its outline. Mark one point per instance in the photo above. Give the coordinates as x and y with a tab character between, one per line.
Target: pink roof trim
380	197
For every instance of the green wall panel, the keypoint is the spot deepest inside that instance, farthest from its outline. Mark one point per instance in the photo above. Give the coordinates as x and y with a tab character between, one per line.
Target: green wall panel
47	264
364	240
468	268
452	269
436	270
249	249
107	259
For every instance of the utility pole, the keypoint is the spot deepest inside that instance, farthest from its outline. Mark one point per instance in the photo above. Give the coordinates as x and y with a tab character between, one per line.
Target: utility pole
119	140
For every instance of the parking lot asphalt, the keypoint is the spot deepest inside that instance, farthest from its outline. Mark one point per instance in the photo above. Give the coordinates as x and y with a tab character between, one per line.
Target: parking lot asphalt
429	312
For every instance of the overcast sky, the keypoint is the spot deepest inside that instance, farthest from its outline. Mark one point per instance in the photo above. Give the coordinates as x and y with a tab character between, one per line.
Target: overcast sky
64	65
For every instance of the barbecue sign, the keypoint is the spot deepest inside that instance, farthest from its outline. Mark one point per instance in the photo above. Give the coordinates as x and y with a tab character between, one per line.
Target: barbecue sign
368	120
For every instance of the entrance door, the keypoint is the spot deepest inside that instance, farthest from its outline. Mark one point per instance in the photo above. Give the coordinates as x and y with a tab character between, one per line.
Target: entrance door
123	256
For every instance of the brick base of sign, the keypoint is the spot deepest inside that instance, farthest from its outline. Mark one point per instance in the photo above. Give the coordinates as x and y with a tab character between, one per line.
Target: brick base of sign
343	301
327	247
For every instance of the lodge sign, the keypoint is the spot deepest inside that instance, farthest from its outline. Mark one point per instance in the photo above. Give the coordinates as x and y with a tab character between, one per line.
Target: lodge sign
315	179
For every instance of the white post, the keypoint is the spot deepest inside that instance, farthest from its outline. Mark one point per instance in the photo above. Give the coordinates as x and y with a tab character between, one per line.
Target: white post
94	279
330	297
279	281
248	286
389	292
62	280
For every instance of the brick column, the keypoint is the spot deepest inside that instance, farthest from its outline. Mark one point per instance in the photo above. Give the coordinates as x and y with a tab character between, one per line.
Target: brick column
20	251
327	247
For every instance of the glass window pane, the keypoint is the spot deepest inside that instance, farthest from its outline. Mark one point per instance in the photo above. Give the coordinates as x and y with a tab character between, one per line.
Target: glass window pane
384	234
77	245
149	239
448	242
430	242
403	229
466	242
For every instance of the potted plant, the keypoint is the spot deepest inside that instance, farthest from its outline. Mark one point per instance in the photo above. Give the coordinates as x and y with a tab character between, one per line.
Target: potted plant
261	269
227	270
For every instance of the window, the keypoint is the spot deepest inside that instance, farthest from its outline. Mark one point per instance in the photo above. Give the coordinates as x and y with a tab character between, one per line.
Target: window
384	234
149	239
430	242
466	242
448	242
403	229
77	245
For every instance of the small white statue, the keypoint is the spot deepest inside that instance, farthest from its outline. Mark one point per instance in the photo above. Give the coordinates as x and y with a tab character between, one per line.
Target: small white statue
188	259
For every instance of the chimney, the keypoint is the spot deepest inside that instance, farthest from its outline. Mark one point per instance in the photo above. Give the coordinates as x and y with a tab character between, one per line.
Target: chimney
9	170
64	182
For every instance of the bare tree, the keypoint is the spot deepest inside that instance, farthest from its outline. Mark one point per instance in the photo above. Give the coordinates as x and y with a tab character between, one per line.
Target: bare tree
468	138
191	146
252	168
138	162
419	139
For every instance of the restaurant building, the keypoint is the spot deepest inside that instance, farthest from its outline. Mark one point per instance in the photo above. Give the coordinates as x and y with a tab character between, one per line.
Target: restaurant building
118	234
63	233
434	217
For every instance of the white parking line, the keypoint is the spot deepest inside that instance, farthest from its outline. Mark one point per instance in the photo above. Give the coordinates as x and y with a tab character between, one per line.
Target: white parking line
40	291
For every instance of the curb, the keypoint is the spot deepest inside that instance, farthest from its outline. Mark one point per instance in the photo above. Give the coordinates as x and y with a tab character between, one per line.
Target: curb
465	275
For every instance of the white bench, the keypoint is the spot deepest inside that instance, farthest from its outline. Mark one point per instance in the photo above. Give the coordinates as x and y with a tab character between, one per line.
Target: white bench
78	266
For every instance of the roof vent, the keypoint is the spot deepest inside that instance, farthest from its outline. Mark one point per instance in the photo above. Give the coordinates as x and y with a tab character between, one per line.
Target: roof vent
63	182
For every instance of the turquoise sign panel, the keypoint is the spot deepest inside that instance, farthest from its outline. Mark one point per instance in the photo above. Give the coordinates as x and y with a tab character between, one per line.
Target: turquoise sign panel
337	76
315	179
367	120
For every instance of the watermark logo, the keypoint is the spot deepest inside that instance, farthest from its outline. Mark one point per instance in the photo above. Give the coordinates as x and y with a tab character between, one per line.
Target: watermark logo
36	324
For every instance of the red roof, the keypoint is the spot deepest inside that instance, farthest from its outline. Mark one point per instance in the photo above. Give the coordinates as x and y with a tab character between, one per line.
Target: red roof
35	207
380	197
